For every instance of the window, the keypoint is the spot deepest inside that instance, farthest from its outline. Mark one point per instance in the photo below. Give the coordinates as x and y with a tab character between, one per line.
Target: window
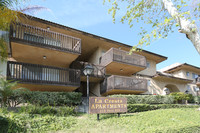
194	76
188	87
34	38
196	89
148	83
41	39
148	64
187	74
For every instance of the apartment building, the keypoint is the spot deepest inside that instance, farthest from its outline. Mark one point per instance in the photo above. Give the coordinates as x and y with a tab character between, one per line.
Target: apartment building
45	56
184	71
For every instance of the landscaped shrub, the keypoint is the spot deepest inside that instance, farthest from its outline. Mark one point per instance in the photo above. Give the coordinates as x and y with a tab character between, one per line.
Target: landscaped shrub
48	110
46	98
22	123
3	125
147	99
54	98
147	107
7	91
18	97
197	99
179	97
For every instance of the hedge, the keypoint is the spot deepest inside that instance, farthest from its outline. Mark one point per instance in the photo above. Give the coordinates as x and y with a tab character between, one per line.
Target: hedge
147	99
131	108
197	99
28	123
36	119
48	110
46	98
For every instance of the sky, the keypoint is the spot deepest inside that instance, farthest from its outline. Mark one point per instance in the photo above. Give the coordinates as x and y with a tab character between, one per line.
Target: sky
92	16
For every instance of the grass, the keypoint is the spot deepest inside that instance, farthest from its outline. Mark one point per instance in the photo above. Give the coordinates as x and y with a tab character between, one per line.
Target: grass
183	120
166	120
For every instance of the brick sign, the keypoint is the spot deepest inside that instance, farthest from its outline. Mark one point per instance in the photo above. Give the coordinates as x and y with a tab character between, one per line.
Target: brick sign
100	105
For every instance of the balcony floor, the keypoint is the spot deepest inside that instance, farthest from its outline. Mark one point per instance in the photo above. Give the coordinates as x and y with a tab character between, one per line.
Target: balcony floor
38	87
33	54
118	68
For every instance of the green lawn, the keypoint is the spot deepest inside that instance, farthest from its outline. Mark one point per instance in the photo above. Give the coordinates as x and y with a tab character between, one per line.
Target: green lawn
185	120
167	120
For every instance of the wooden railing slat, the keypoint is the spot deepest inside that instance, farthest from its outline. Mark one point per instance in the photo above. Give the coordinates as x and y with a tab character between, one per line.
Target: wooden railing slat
46	38
32	73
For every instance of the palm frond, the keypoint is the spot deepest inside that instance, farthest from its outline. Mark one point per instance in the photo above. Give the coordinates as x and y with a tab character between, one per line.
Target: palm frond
33	9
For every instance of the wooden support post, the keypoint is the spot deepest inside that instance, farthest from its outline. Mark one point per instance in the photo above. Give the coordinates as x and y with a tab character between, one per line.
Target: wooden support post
118	114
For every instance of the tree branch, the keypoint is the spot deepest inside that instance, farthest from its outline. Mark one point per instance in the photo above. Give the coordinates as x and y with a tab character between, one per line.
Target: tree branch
186	27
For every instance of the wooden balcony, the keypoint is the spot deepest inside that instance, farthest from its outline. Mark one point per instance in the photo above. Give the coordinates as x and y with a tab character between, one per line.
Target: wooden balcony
97	75
119	62
43	78
123	85
28	40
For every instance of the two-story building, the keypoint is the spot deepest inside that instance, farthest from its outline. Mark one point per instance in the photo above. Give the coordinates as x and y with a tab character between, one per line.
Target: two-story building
184	71
45	56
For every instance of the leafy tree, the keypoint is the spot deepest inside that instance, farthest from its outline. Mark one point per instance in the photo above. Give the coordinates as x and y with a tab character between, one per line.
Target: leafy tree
10	11
162	16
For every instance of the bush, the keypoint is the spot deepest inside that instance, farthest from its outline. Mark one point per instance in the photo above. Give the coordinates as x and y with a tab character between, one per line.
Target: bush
179	97
197	99
54	98
48	110
3	125
131	108
147	99
18	97
34	123
46	98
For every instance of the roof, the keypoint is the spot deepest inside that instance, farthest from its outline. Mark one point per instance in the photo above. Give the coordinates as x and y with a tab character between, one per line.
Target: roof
91	35
169	67
179	66
167	75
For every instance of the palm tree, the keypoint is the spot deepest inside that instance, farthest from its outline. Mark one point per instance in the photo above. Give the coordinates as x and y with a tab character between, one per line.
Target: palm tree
6	90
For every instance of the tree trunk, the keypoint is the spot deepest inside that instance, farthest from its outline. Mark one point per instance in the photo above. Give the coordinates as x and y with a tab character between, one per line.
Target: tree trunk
186	26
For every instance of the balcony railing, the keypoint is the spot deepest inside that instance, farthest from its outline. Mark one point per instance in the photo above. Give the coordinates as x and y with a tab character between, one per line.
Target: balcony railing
115	82
39	74
122	56
44	38
198	80
99	71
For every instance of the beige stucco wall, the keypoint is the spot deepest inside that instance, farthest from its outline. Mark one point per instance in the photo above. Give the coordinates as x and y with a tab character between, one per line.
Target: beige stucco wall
157	86
151	70
178	74
95	89
94	58
182	74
